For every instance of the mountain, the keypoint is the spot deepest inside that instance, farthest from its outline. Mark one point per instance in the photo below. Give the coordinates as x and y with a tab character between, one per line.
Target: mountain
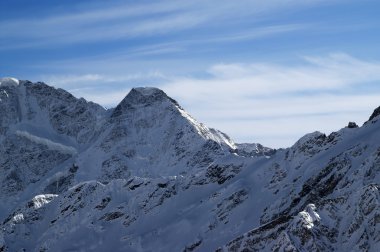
146	176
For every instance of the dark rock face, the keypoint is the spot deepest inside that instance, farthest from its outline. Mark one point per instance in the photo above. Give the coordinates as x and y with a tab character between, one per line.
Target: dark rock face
220	174
10	111
68	115
138	97
24	162
375	113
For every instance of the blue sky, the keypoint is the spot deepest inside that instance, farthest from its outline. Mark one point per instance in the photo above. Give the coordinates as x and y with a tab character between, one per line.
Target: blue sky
261	71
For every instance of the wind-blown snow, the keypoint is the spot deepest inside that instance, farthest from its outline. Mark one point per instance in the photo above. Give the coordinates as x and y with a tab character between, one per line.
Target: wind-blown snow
48	143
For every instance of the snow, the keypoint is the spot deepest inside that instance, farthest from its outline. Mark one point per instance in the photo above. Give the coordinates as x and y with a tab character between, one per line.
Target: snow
43	199
308	137
9	81
155	179
309	217
147	91
5	93
311	210
249	147
48	143
18	218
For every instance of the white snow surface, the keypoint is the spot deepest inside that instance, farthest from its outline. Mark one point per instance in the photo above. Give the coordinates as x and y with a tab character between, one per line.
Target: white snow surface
43	199
309	216
146	176
18	218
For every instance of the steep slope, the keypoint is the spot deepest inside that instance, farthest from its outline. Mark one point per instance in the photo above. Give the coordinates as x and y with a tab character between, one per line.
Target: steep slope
149	135
47	135
328	195
146	176
42	130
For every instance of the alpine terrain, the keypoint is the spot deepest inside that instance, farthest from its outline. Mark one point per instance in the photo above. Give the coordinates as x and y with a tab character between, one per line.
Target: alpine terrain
146	176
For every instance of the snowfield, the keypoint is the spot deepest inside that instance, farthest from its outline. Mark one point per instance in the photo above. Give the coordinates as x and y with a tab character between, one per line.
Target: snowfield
146	176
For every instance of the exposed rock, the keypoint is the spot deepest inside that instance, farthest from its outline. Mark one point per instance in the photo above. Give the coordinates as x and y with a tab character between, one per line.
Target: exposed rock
352	125
146	176
375	113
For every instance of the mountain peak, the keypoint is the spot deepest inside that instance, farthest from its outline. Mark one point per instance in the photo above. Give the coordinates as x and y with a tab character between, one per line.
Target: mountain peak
142	97
9	81
145	96
154	170
148	91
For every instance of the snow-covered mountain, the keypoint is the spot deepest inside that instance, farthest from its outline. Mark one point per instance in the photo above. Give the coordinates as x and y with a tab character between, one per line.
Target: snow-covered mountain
146	176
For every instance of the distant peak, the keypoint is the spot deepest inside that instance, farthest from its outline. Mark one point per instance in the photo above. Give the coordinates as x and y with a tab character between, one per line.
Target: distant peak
9	81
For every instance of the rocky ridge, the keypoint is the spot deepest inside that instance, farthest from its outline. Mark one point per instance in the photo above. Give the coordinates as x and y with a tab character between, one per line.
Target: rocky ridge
146	176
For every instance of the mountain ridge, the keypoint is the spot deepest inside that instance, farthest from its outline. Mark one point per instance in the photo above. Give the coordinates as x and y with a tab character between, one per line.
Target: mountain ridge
146	176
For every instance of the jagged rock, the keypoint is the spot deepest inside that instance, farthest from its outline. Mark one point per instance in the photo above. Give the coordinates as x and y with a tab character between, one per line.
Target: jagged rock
352	125
146	176
375	113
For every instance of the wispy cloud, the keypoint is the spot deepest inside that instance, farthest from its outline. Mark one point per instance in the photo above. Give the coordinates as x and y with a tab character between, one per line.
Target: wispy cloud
274	104
330	73
217	58
263	99
103	23
107	90
64	80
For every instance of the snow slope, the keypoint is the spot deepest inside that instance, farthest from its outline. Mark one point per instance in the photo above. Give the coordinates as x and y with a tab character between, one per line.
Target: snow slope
146	176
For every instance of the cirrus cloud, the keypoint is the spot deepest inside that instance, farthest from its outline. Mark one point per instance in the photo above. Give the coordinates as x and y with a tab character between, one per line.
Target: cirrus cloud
274	104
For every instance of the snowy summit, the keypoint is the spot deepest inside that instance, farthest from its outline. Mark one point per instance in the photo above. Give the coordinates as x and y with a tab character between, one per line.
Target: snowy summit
147	91
9	81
